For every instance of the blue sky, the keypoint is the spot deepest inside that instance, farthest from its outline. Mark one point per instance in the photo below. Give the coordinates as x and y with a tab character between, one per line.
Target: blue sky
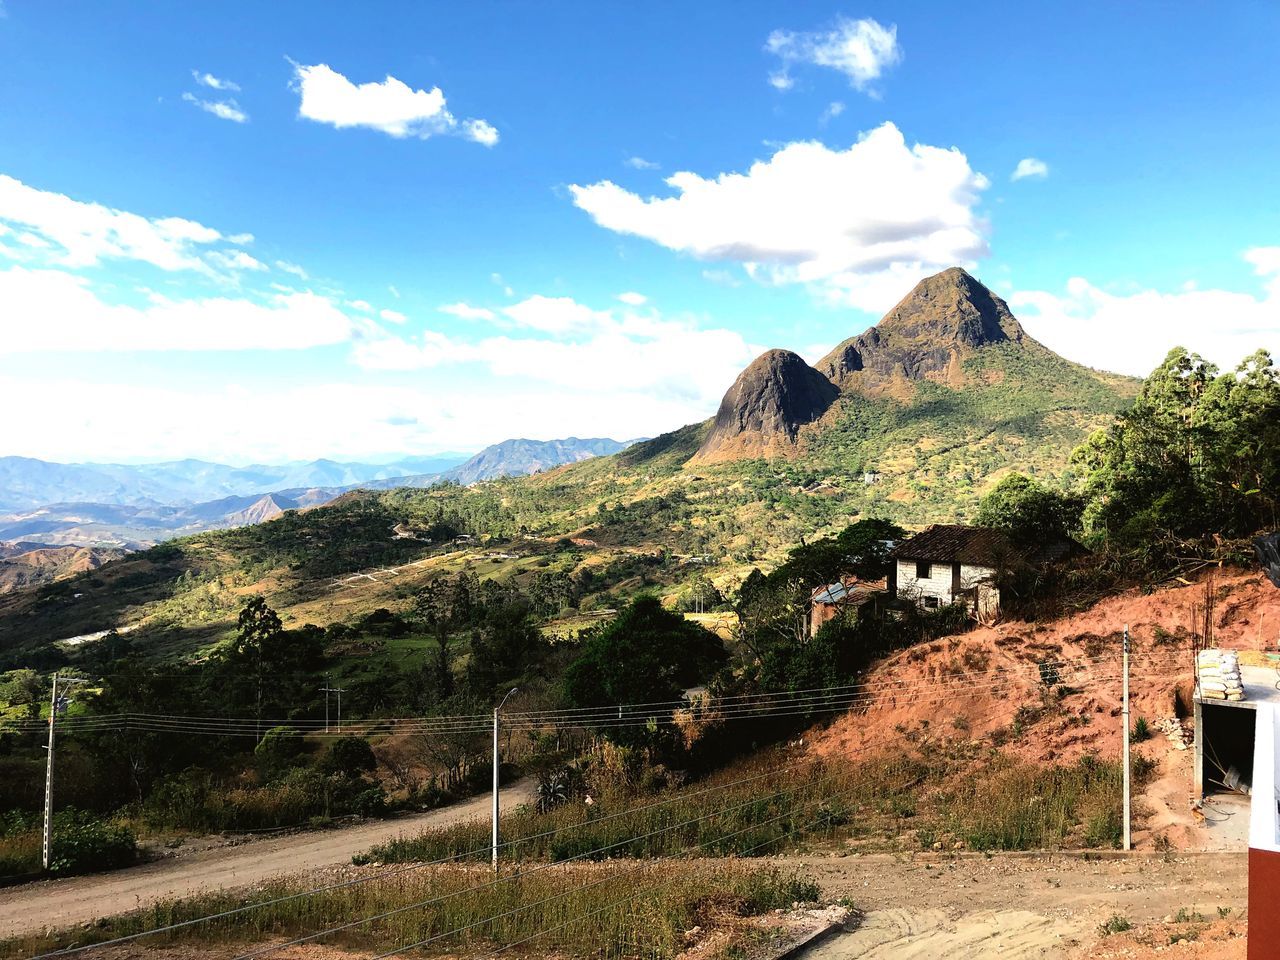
229	232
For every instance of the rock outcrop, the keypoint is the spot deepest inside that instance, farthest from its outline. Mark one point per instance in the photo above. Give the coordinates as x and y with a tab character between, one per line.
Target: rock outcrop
928	335
763	411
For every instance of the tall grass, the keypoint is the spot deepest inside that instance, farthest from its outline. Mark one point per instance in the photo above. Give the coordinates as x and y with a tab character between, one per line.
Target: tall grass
604	910
993	803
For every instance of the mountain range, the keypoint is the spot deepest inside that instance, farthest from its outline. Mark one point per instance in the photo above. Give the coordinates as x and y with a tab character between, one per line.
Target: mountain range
129	506
913	420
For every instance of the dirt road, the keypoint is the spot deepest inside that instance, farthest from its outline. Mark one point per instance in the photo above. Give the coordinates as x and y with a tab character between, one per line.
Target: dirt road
1018	906
56	903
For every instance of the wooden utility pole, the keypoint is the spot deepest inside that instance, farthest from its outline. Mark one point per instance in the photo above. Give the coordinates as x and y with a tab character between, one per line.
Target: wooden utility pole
1127	735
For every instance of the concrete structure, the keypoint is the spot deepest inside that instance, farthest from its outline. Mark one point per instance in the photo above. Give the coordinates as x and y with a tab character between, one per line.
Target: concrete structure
1264	836
1239	741
827	602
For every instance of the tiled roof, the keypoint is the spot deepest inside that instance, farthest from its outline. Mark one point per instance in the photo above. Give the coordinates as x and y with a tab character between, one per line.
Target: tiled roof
981	546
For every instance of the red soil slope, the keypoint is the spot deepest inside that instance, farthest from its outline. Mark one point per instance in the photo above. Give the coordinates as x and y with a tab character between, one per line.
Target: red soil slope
985	685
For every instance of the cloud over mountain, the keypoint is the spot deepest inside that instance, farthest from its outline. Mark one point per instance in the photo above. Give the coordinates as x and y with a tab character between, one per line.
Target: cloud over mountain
859	224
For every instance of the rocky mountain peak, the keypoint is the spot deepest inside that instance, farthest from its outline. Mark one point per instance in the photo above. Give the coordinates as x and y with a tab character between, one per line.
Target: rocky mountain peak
926	336
763	411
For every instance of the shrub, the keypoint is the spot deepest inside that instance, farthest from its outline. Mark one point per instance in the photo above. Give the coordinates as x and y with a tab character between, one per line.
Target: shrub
277	749
82	844
1141	731
1115	924
371	802
349	757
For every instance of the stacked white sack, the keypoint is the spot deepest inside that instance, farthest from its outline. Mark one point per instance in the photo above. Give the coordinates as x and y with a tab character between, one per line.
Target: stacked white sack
1218	672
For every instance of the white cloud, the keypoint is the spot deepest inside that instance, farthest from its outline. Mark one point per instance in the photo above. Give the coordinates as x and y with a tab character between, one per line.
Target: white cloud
214	83
860	49
616	358
554	314
392	316
292	268
860	224
391	106
481	131
1132	332
1030	167
234	260
56	311
633	299
640	163
466	311
326	418
364	306
85	234
394	292
781	80
834	109
223	109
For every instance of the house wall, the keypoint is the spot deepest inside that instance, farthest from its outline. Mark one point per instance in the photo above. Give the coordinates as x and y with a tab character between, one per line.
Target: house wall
1264	836
940	580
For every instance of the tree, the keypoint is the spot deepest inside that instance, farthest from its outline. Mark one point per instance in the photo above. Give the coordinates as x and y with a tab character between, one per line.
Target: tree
1198	453
349	757
257	628
444	606
646	654
269	666
505	649
1029	511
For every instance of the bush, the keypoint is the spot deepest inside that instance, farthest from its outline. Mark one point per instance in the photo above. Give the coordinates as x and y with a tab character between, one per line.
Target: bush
349	757
82	844
277	749
370	803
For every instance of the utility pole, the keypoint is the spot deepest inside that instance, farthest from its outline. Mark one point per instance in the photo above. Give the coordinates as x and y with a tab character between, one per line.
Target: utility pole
1125	714
497	766
54	705
327	689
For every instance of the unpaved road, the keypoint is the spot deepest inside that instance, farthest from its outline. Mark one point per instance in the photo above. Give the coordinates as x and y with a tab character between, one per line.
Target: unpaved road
1014	906
56	903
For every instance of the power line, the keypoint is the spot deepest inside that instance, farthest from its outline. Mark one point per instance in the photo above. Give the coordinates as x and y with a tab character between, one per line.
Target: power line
547	866
398	871
763	704
388	874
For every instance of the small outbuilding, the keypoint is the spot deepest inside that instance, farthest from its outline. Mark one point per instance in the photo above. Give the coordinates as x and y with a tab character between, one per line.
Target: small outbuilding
829	601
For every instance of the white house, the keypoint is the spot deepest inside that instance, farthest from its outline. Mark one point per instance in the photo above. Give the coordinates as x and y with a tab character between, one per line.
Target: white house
951	563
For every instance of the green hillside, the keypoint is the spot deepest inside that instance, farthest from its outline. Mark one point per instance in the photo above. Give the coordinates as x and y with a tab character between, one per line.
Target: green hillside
641	513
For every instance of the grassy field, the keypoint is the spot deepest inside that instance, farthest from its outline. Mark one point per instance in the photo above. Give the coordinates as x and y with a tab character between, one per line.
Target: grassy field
599	910
903	803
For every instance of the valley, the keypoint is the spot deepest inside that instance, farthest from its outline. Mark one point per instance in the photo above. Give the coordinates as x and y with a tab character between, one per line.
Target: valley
650	608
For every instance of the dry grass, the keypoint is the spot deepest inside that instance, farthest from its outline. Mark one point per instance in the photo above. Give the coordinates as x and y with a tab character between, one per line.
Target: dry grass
578	910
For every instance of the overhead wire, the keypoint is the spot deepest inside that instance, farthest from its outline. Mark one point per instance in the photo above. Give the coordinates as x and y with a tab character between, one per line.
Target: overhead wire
391	873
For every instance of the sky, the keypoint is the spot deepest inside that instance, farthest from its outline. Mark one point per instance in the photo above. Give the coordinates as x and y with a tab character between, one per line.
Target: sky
253	232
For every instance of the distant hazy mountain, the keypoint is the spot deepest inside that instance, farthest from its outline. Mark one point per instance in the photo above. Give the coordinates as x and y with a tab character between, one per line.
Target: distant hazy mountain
26	483
27	565
513	458
131	506
131	526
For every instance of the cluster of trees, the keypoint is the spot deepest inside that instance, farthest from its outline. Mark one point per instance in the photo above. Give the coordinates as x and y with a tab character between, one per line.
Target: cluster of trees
1199	452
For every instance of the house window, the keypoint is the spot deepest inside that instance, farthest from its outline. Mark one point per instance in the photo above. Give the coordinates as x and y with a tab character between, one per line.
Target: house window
932	603
922	571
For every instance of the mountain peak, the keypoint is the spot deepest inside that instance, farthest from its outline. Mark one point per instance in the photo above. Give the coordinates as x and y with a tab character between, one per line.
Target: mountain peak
763	411
927	335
